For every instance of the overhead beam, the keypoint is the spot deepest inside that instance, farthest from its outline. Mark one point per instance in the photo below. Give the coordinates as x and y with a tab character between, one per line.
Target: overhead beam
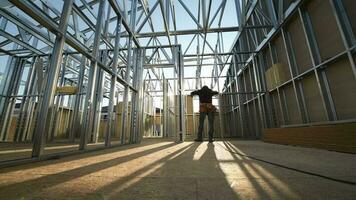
219	54
195	31
117	10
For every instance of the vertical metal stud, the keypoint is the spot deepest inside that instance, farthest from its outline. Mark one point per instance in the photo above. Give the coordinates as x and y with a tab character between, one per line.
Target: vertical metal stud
86	129
48	95
111	114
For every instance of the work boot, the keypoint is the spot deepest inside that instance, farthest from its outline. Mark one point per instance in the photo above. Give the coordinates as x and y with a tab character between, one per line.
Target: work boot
198	140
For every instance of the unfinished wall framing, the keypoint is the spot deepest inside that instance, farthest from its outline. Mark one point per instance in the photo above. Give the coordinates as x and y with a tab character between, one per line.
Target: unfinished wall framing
307	70
91	74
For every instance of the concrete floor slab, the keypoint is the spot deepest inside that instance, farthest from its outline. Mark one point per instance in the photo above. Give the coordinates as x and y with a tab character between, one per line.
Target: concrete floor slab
159	169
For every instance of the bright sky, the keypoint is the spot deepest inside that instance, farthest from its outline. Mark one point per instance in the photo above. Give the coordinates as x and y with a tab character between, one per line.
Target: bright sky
183	22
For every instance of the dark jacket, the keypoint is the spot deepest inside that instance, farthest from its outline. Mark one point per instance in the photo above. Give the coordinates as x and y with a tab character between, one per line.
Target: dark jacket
205	94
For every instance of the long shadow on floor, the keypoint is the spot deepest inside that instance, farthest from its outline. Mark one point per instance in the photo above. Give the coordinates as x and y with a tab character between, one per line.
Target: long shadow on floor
16	190
78	156
266	185
178	175
181	175
171	171
282	183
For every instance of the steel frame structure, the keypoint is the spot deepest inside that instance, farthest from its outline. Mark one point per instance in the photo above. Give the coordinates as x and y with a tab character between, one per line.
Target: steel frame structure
112	52
259	111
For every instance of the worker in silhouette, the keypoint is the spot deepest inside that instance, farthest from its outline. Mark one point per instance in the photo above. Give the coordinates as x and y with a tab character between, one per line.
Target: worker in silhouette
205	108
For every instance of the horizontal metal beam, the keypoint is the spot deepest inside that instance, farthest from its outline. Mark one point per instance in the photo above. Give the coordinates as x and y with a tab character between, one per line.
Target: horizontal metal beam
188	78
19	42
219	54
170	65
238	93
117	10
26	26
195	31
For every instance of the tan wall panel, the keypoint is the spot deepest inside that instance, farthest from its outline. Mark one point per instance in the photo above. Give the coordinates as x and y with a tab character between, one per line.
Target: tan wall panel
350	6
190	125
237	123
63	127
325	28
282	56
281	73
102	129
277	110
313	99
217	124
119	124
340	137
267	56
270	80
248	82
189	104
12	129
292	105
343	88
299	44
252	120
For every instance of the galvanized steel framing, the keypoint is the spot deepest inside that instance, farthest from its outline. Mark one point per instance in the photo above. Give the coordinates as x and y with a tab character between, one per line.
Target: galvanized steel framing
54	44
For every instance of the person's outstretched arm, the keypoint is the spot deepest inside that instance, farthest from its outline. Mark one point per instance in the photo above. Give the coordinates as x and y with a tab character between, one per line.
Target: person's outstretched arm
196	92
215	93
